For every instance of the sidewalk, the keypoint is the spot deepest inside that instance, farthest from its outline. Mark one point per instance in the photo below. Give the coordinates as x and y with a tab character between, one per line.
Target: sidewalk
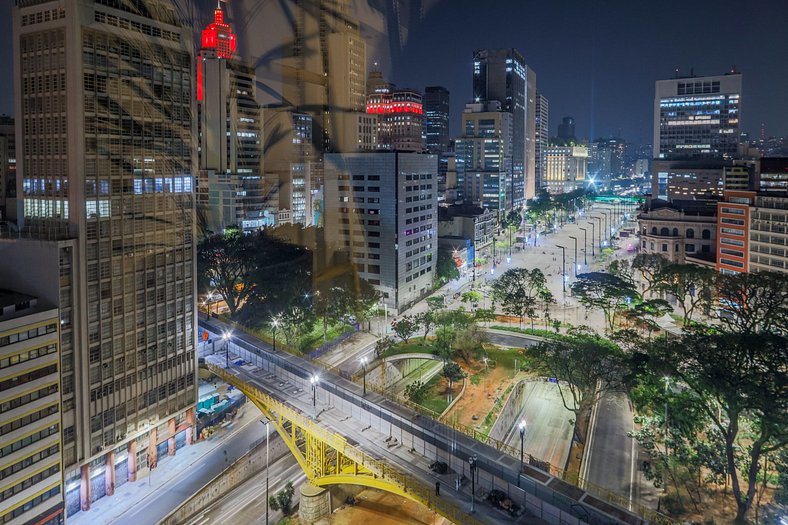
134	497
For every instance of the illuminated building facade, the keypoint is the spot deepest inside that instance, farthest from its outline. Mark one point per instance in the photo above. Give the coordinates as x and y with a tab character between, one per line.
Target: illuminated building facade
400	116
542	137
566	168
697	117
502	75
7	168
381	209
436	119
108	184
483	157
230	185
31	482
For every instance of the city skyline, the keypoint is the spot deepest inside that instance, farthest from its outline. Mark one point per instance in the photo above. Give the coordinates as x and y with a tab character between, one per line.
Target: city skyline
586	69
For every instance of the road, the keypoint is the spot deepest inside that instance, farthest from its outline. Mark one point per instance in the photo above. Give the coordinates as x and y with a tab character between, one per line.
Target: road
613	459
172	494
247	502
548	434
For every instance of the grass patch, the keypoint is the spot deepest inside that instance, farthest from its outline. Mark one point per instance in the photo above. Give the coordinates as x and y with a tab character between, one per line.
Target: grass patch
436	398
306	342
412	347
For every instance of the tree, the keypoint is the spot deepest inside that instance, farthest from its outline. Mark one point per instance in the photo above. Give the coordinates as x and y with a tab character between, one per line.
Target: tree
546	300
283	499
467	340
446	268
452	372
586	366
740	382
753	302
426	320
405	327
383	345
435	303
650	267
645	313
517	290
472	297
606	292
621	269
224	263
416	391
484	315
691	285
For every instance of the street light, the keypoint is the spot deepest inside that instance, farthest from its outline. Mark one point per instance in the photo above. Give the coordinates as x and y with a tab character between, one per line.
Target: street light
364	371
521	426
473	467
226	338
563	274
266	422
274	324
593	233
575	261
315	379
585	244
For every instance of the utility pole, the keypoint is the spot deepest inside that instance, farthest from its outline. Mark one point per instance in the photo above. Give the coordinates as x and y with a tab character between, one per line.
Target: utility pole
364	371
521	426
575	261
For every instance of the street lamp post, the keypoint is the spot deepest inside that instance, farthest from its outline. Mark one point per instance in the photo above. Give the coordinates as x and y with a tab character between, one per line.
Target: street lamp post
315	379
274	324
521	426
585	245
563	274
364	371
607	232
599	233
267	465
226	338
472	463
575	261
593	227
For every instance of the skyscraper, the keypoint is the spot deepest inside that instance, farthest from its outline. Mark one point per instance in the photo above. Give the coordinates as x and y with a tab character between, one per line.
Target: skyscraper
483	156
381	209
502	75
697	117
565	168
324	73
229	186
7	168
566	131
542	137
399	113
110	181
436	119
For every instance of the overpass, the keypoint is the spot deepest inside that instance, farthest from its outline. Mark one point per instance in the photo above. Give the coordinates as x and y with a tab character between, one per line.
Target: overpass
373	435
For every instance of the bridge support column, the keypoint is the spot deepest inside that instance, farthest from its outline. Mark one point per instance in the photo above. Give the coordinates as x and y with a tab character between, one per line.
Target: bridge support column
314	503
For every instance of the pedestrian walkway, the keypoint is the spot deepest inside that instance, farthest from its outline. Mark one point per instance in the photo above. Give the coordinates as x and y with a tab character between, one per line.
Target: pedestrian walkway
134	495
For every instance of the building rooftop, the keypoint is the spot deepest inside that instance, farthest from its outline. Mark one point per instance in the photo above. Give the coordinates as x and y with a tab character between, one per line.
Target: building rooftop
14	304
445	213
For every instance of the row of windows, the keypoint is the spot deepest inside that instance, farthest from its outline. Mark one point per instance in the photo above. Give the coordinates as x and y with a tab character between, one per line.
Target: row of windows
43	16
416	275
28	334
30	376
55	491
17	402
32	438
27	419
28	356
30	460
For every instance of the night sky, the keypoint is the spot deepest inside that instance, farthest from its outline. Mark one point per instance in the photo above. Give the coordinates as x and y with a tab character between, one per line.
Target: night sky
595	60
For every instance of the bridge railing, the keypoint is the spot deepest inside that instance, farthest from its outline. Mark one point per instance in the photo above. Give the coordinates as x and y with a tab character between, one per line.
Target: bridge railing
408	484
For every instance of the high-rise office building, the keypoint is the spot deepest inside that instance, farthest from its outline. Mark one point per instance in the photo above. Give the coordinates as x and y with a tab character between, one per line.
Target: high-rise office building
565	168
400	114
697	117
290	159
502	75
7	168
229	186
566	131
483	156
436	119
30	419
109	182
542	136
324	73
381	209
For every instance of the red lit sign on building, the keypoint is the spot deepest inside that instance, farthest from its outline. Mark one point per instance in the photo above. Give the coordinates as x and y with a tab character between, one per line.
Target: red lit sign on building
386	108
